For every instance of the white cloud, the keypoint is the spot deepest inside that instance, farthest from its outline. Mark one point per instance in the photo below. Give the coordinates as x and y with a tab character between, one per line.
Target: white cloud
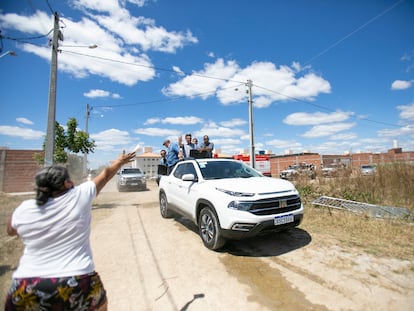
233	122
303	118
226	142
182	120
407	112
117	34
139	3
269	83
178	70
24	121
344	136
20	132
97	93
154	131
109	139
284	144
135	30
401	85
213	130
152	121
197	85
407	130
327	129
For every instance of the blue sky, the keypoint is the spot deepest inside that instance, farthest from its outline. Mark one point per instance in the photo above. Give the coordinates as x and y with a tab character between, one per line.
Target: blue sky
327	76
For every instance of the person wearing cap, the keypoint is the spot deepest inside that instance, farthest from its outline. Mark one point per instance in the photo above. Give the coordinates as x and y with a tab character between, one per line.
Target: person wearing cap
173	154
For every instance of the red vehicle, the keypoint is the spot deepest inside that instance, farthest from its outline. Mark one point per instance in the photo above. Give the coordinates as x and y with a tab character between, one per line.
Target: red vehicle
262	162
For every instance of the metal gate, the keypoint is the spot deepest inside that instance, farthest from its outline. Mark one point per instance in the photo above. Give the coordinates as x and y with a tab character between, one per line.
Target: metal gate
364	208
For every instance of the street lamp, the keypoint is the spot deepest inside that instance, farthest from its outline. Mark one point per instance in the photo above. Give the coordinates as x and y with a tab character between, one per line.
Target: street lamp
92	46
11	53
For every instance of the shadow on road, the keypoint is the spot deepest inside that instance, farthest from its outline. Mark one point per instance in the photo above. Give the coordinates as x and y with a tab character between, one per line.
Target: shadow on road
273	244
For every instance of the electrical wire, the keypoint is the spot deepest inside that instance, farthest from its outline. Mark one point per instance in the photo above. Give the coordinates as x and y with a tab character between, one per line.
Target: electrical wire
352	33
211	92
323	107
50	7
163	100
23	40
149	66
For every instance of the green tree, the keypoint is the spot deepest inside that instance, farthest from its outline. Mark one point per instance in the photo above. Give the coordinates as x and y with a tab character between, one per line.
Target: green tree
72	140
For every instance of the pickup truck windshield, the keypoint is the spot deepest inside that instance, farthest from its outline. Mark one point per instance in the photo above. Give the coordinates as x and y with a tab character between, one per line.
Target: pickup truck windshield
131	171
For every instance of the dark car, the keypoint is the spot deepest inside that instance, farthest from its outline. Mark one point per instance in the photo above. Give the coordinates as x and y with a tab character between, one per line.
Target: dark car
131	179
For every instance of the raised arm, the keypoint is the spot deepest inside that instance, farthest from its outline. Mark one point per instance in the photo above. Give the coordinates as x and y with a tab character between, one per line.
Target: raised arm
110	171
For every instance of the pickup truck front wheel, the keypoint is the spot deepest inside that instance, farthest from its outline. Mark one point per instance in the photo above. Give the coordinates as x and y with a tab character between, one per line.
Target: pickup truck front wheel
165	212
209	229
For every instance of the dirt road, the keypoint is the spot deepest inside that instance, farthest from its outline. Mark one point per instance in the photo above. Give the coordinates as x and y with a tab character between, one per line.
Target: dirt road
151	263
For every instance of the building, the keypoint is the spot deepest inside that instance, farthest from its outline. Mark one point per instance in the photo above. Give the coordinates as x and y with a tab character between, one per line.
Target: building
278	163
18	167
148	162
352	161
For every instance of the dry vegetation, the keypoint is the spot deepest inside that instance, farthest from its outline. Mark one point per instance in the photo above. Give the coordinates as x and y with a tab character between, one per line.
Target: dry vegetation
10	248
392	185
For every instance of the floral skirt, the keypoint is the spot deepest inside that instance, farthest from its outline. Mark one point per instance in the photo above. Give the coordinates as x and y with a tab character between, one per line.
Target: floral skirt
82	292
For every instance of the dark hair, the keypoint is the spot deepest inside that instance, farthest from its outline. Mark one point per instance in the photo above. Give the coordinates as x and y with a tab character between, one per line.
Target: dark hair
49	180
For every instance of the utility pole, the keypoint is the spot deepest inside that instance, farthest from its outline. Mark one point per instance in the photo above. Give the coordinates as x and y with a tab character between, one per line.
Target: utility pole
85	155
51	114
252	152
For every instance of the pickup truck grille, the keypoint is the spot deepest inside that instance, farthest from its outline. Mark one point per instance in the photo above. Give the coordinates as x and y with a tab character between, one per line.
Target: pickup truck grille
275	205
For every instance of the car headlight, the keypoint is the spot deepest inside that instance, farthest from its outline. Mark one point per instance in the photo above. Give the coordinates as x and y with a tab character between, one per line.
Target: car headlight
240	205
235	193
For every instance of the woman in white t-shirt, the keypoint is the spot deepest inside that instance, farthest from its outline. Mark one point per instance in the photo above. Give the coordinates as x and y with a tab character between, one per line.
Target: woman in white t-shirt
56	270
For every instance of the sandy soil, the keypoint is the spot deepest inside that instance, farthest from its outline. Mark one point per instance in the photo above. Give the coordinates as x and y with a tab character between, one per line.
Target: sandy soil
151	263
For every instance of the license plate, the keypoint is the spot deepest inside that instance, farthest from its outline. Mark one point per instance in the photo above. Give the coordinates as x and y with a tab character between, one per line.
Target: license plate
134	184
280	220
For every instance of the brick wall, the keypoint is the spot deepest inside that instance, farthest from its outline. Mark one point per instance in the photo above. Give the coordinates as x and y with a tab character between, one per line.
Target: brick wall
280	163
354	161
17	170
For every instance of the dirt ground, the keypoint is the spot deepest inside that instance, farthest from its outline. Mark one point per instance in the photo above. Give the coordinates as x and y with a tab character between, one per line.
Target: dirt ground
151	263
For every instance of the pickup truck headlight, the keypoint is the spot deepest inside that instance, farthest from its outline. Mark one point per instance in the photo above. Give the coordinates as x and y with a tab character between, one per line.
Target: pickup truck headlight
240	205
235	193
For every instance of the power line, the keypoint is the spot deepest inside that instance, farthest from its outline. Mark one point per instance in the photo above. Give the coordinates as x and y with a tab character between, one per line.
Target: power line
50	7
211	92
323	107
22	40
164	100
151	67
352	33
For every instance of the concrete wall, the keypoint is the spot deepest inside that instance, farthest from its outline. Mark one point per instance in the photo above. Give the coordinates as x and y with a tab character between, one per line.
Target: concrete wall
17	170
